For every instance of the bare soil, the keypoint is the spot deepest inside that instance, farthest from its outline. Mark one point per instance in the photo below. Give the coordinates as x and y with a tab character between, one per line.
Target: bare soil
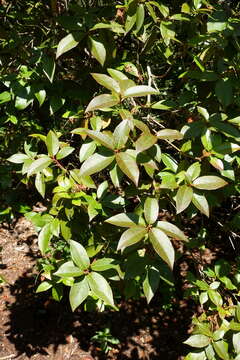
33	326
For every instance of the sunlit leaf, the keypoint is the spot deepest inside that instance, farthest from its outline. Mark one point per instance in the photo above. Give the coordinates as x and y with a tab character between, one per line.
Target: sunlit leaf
78	293
162	245
209	182
131	236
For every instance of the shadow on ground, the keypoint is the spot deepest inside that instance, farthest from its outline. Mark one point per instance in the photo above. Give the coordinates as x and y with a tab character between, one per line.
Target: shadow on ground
36	322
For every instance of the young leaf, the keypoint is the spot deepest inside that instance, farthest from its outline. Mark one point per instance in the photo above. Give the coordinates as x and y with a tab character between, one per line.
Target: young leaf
79	255
66	44
171	230
131	236
98	50
52	143
100	287
236	342
128	166
102	101
201	203
151	210
94	164
162	245
106	81
183	197
124	220
78	293
39	165
198	341
140	90
209	182
68	269
44	237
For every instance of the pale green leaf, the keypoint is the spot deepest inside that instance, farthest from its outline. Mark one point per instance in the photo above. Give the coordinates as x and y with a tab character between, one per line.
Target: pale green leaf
124	220
169	134
117	75
171	230
150	283
40	184
201	203
104	139
52	143
68	269
145	141
106	81
183	197
44	286
98	50
198	341
131	236
64	152
209	182
221	348
39	165
78	293
162	245
102	101
151	210
236	342
121	134
100	287
66	44
18	158
140	90
128	166
79	255
94	164
44	237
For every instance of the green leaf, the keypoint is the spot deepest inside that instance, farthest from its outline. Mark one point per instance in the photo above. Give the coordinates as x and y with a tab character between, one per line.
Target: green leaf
68	269
194	170
64	152
131	15
145	141
128	166
221	348
66	44
236	342
18	158
40	184
215	297
44	286
124	220
131	236
151	210
49	67
162	245
117	75
197	356
98	50
40	96
52	143
78	293
95	163
171	230
86	150
209	182
102	101
44	237
140	15
140	90
224	91
169	134
103	139
169	162
5	96
198	341
100	287
201	203
79	255
150	283
183	197
203	297
39	165
106	81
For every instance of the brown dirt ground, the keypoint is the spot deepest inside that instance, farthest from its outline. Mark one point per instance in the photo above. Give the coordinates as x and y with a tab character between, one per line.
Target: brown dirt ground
32	326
